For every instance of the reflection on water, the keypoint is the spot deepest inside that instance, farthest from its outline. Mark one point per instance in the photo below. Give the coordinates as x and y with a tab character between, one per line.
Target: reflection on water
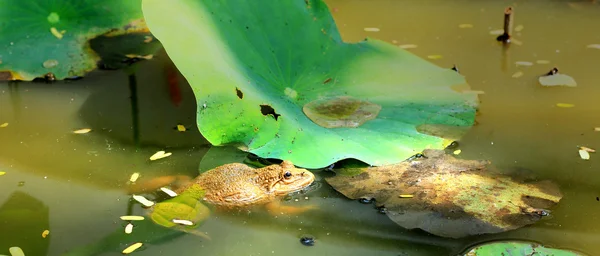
80	179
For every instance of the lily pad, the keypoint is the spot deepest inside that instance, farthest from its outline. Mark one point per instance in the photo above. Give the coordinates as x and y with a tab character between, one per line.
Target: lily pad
450	197
516	248
254	66
40	36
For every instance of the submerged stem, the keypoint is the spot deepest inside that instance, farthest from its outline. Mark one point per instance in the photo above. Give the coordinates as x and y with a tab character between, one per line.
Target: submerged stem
508	24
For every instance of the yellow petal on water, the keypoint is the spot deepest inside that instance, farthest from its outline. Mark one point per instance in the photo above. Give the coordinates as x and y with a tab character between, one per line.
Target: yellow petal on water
183	222
56	33
542	61
45	233
3	125
584	154
406	196
465	25
594	46
82	131
564	105
434	57
597	129
591	150
523	63
181	128
132	248
372	29
16	251
497	32
169	192
129	228
407	46
159	155
134	177
2	173
143	200
456	152
132	217
517	74
519	28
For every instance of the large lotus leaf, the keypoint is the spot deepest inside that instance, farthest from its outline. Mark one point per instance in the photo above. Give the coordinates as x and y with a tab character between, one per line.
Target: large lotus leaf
516	248
254	66
42	36
450	197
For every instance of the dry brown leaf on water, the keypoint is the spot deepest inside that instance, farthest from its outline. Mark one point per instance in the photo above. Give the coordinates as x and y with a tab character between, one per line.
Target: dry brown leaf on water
82	131
3	125
565	105
132	248
45	233
584	154
132	217
159	155
129	228
591	150
134	177
517	74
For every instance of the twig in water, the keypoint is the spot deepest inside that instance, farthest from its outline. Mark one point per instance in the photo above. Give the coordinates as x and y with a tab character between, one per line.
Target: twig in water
508	24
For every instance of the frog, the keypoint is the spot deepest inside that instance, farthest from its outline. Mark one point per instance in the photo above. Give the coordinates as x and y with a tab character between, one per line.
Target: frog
238	185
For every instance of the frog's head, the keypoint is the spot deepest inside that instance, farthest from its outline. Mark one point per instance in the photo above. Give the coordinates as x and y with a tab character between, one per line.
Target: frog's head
291	179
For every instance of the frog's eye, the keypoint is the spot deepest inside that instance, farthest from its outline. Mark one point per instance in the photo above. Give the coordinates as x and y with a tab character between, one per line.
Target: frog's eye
287	175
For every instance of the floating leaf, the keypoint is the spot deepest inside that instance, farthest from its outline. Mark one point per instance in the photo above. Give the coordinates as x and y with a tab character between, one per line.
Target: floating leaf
584	154
159	155
40	36
296	45
516	248
557	80
451	197
82	131
132	248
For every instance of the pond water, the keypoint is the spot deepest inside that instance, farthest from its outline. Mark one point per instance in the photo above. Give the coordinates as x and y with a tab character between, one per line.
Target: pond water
74	184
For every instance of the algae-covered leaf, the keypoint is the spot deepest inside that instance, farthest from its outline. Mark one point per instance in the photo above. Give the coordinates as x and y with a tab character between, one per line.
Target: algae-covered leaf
517	248
255	65
450	197
40	36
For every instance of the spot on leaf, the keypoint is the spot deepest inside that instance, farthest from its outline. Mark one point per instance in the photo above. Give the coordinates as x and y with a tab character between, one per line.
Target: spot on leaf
239	93
268	110
342	111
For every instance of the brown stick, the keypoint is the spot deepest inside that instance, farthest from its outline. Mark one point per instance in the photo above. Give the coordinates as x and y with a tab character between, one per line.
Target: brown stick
508	24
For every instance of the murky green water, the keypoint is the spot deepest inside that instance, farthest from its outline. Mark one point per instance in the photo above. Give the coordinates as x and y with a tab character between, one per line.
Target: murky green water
74	185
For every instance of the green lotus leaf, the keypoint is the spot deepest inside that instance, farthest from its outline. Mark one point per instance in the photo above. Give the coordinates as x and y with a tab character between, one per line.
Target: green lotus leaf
517	248
255	65
38	37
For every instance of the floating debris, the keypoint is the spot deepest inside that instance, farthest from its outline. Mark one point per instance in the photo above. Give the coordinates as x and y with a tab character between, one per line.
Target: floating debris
143	200
553	78
169	192
132	248
542	61
159	155
183	222
565	105
456	152
584	154
181	128
517	74
372	29
16	251
50	63
129	228
45	233
590	150
132	217
524	63
519	28
3	125
82	131
465	26
134	177
594	46
408	46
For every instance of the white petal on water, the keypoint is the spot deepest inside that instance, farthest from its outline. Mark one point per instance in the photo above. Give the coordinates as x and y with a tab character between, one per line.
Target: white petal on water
16	251
408	46
134	177
465	25
159	155
557	80
132	217
129	228
372	29
517	74
594	46
169	192
584	154
183	222
497	32
523	63
542	61
82	131
143	200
